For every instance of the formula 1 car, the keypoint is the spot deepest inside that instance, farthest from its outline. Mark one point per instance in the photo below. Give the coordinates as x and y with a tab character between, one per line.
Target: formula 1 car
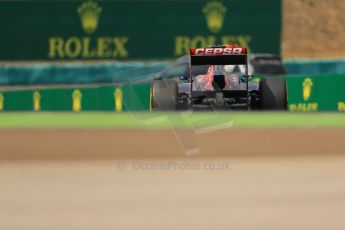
213	83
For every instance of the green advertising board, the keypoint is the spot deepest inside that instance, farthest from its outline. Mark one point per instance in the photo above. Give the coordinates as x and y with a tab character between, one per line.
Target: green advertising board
310	93
134	29
316	93
106	98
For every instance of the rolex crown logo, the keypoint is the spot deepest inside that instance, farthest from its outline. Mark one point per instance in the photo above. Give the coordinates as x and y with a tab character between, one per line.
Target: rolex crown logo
77	97
2	102
37	101
214	12
89	13
118	94
307	87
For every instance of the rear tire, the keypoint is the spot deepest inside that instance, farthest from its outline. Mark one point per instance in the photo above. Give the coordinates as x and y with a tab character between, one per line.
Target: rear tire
273	93
164	95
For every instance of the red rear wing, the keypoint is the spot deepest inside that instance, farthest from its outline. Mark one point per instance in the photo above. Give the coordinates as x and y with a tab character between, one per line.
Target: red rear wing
218	56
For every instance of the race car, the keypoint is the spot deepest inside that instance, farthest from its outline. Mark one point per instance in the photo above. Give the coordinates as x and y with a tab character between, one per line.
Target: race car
218	78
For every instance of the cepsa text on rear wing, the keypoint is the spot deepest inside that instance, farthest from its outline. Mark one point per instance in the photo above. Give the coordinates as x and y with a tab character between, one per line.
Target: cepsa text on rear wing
218	56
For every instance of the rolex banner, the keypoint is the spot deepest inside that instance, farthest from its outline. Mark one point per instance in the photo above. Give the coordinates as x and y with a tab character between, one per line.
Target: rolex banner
137	29
316	93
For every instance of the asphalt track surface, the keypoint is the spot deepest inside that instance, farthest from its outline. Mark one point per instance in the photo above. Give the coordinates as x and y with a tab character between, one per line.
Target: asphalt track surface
143	179
256	193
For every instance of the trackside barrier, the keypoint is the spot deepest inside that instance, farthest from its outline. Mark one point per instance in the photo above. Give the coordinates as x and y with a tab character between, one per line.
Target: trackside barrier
122	72
106	98
305	93
315	67
78	73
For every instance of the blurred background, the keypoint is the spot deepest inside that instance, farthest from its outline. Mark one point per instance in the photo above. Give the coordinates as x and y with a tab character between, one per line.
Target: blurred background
81	44
80	149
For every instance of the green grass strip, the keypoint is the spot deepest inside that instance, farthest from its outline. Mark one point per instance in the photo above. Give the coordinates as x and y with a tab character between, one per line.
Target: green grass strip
167	120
